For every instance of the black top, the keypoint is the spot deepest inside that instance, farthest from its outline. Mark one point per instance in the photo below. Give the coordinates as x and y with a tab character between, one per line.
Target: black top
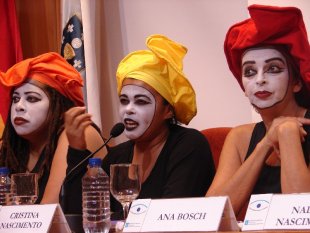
184	168
269	180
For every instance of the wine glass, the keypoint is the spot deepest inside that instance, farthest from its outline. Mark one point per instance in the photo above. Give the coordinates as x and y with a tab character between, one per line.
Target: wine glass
24	188
125	184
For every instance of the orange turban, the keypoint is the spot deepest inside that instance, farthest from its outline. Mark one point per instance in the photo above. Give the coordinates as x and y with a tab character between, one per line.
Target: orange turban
50	69
269	25
161	67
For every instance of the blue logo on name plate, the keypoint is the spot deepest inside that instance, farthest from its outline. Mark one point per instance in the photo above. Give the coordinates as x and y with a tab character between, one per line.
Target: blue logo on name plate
258	205
138	209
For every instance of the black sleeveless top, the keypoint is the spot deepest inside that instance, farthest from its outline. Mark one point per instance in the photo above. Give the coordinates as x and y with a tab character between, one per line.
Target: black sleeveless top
269	180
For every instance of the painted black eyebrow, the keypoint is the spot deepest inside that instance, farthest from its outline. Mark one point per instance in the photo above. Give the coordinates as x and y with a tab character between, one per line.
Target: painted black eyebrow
144	96
266	61
275	58
137	96
28	92
248	62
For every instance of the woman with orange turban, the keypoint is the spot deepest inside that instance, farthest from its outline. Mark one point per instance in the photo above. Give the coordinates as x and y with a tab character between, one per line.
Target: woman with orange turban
34	140
155	96
269	55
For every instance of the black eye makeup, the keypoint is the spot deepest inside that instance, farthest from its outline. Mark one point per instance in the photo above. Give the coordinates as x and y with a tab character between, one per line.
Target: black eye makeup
15	98
123	99
142	100
249	71
274	66
31	97
138	99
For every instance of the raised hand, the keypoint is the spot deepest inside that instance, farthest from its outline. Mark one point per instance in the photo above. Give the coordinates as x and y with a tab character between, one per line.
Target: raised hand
76	121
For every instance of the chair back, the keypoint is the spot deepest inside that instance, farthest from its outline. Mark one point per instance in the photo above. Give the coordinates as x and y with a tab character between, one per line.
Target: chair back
216	137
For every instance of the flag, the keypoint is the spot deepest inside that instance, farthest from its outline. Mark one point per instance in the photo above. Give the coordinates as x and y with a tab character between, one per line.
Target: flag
78	48
11	51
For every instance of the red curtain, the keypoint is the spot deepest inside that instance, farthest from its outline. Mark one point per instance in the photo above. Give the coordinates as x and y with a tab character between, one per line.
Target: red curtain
10	47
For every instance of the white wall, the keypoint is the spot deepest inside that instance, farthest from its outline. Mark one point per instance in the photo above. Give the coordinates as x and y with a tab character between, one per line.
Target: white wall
201	26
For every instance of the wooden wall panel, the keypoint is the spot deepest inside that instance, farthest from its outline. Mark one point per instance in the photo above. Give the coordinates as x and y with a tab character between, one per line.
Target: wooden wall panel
39	22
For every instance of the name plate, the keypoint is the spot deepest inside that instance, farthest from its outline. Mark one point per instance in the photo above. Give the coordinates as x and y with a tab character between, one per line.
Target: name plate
278	212
33	218
181	214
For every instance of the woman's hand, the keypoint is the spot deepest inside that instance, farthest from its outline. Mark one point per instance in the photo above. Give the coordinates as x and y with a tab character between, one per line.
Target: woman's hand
285	125
76	121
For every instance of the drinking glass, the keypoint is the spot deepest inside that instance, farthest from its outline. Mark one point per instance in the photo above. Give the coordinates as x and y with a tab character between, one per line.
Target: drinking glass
125	184
24	188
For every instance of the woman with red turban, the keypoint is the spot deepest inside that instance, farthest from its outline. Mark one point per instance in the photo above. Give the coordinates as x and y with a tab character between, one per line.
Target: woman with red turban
269	55
34	140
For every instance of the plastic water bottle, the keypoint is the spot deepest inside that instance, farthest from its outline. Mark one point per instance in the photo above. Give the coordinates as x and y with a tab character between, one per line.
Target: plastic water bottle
96	198
5	184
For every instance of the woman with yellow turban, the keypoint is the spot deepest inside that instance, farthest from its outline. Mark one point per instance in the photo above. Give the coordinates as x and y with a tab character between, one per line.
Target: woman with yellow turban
34	140
155	96
269	55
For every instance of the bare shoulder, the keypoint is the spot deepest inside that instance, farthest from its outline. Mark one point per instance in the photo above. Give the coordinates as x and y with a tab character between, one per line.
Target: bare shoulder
240	137
243	130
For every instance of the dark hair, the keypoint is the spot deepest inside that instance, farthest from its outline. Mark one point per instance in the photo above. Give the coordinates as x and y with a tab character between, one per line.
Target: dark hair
172	120
14	152
303	96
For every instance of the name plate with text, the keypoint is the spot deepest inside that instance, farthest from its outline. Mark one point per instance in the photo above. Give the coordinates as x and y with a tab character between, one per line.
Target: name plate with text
181	214
278	212
33	218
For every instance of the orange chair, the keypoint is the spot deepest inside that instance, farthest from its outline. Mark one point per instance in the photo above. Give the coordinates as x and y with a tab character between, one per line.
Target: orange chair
216	137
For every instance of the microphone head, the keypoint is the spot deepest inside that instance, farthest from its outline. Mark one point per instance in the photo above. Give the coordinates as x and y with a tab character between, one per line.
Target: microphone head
117	130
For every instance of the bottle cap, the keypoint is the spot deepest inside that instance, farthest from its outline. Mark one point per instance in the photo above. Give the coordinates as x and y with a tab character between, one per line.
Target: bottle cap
4	171
94	162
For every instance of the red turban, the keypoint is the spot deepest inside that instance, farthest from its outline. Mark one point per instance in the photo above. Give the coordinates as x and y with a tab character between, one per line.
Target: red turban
50	69
269	25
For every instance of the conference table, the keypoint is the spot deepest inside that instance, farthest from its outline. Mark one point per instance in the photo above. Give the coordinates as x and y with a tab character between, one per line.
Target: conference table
75	223
286	231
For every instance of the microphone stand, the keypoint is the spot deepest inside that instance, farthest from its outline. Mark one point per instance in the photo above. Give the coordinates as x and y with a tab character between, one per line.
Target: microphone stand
89	156
62	190
116	131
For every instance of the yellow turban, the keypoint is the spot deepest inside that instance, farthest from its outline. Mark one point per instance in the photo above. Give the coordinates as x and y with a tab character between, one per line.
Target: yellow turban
161	67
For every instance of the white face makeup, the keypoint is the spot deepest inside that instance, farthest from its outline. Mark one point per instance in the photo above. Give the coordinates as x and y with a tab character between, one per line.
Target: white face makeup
137	109
29	109
265	77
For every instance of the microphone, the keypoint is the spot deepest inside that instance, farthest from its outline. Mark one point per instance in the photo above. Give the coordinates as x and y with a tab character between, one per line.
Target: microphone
116	130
